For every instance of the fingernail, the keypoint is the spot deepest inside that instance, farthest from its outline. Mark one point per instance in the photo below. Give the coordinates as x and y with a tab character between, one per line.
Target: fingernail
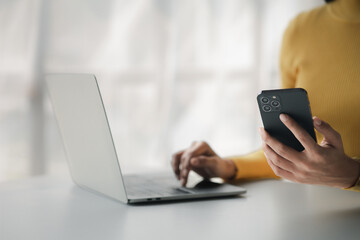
317	122
283	117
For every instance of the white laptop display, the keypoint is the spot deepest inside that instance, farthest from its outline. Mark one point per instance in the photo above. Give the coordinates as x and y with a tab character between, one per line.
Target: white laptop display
91	153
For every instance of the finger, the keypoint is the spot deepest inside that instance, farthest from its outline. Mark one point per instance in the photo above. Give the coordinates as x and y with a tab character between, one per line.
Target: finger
204	166
185	166
280	148
175	163
278	171
277	160
200	165
184	176
331	136
197	148
203	162
304	138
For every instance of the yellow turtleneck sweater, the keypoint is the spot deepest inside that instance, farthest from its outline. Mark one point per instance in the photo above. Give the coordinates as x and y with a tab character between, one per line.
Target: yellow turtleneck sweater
321	53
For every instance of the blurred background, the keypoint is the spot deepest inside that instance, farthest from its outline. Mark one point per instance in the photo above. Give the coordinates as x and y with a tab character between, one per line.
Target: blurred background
170	71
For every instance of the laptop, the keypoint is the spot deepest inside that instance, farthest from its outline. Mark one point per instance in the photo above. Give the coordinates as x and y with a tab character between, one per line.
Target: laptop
91	153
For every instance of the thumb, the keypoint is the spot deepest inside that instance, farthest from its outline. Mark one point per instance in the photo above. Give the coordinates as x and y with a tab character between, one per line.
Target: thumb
203	161
331	137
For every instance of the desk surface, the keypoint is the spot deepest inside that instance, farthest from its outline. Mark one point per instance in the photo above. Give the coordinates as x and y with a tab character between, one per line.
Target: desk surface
50	208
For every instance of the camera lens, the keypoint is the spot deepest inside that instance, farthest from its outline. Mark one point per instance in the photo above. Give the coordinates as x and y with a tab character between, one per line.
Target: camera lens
275	103
266	108
264	100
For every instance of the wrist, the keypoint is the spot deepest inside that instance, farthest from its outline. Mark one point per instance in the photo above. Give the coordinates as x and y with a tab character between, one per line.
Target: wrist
354	173
231	171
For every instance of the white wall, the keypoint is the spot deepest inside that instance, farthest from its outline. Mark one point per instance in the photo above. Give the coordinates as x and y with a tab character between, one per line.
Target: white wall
170	71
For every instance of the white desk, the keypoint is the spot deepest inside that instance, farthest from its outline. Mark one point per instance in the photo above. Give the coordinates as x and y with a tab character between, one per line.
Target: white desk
50	208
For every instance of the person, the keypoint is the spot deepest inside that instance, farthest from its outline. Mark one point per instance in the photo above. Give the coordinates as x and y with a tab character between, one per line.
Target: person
320	53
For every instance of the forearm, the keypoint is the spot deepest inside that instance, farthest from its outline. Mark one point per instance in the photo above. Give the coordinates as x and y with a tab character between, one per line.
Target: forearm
253	165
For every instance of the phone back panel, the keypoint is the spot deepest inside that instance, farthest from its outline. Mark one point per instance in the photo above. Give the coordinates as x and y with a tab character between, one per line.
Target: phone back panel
293	102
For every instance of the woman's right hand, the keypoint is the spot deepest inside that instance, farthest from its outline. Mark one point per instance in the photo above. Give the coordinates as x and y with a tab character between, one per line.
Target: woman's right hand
200	158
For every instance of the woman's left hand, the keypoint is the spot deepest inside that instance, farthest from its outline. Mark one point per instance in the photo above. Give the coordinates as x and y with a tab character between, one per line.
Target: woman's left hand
324	164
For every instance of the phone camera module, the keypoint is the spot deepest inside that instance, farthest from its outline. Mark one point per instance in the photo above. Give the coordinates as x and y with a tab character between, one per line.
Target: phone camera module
264	100
266	108
275	103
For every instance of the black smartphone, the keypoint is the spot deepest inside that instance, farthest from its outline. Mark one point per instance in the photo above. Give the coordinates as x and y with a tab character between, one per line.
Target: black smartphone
293	102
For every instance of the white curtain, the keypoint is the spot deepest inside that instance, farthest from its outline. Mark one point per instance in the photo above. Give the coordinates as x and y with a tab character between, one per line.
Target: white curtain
170	71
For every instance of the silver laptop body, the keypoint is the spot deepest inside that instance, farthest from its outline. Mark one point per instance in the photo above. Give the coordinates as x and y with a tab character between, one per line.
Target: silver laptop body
91	153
